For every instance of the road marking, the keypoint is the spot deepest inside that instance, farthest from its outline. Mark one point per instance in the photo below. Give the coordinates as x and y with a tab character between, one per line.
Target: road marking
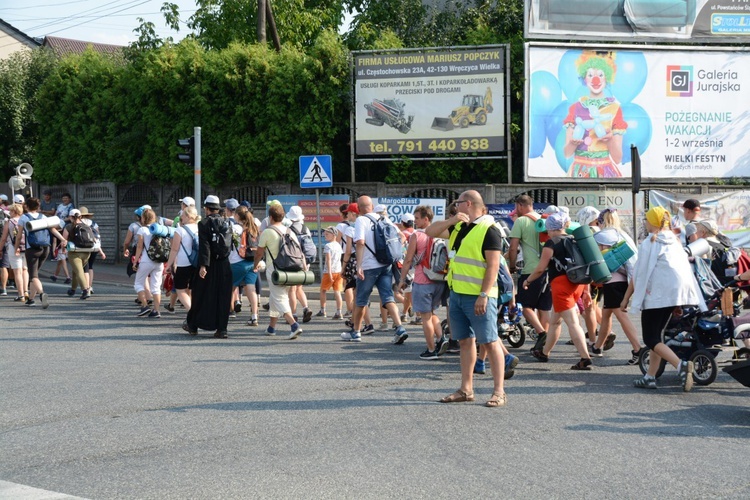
22	492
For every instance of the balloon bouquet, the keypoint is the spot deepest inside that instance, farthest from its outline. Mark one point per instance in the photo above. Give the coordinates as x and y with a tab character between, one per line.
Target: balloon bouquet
588	129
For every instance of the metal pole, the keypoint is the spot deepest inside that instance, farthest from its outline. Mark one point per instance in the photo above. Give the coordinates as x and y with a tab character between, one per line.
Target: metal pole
197	166
320	230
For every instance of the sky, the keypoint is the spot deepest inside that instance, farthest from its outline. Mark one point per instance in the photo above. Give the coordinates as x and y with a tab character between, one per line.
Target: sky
102	21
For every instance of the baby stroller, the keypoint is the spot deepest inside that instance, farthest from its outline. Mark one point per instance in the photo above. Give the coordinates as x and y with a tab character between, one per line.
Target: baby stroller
698	337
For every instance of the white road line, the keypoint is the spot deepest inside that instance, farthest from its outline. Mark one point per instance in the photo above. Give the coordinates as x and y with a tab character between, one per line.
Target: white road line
21	492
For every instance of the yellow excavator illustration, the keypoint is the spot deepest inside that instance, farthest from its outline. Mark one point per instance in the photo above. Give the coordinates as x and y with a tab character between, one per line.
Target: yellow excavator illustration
473	109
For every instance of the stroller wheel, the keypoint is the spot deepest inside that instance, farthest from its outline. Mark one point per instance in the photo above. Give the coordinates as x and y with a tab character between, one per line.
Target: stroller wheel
704	367
516	336
644	361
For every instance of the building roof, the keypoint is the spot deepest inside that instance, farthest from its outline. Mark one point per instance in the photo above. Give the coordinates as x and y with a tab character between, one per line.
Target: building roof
18	34
64	46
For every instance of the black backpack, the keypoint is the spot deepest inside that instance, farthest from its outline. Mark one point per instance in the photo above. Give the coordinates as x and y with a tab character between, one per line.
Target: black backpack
222	237
159	248
575	266
306	242
290	257
83	236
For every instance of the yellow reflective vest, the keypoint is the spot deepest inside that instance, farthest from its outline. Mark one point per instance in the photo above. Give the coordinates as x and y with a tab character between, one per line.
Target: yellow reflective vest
467	266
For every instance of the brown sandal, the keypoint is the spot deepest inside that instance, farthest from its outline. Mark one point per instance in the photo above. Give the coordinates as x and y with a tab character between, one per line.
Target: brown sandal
458	397
497	400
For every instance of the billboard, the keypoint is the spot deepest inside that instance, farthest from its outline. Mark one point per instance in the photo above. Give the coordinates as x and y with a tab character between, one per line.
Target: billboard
400	206
425	102
730	210
685	109
703	21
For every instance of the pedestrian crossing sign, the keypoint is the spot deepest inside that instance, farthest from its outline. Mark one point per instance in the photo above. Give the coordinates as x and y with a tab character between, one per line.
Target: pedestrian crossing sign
315	171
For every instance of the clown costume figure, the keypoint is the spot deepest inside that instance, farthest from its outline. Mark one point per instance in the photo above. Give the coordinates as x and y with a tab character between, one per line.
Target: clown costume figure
594	125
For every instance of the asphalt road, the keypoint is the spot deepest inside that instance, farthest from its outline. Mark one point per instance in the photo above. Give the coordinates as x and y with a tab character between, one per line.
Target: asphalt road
98	403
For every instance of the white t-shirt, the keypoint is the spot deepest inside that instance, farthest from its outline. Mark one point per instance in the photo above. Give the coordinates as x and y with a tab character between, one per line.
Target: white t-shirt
234	255
364	230
334	249
146	242
186	241
348	233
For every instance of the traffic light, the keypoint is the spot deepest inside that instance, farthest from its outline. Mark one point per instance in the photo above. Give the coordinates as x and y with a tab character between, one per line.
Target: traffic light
188	153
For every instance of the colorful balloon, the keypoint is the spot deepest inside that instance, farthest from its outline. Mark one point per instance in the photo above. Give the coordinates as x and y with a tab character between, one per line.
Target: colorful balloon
631	75
567	74
638	132
545	92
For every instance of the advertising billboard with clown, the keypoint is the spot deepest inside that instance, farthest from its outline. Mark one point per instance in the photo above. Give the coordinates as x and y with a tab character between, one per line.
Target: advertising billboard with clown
683	108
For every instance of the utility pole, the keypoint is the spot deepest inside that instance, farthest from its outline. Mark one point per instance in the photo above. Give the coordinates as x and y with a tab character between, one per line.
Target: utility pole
261	28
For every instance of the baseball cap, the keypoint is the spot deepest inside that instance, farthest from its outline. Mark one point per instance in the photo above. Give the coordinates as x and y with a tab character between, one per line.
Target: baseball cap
4	197
246	204
710	226
353	207
379	209
211	201
231	204
188	201
407	218
18	198
332	230
74	213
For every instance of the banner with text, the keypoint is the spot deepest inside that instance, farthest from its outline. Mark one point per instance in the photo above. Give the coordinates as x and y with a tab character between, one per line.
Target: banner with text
621	200
707	21
730	210
417	103
686	110
399	206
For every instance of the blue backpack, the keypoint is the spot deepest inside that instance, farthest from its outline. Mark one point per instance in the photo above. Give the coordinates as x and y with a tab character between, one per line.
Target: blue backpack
193	255
39	238
388	248
504	284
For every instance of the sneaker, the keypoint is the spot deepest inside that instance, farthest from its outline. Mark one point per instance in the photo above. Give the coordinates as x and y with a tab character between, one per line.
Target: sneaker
348	314
595	351
645	382
85	295
351	336
307	315
187	329
270	331
296	331
338	316
321	314
511	362
232	314
441	346
238	306
137	301
3	292
221	334
266	307
169	308
453	347
44	299
91	291
252	322
30	303
144	311
427	354
610	342
685	372
479	367
71	292
19	298
53	278
367	330
68	281
634	356
539	354
349	323
154	314
400	336
383	327
150	302
416	321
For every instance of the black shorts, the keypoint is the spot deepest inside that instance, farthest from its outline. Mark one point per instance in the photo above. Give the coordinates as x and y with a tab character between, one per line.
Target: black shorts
539	294
90	263
614	293
183	276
